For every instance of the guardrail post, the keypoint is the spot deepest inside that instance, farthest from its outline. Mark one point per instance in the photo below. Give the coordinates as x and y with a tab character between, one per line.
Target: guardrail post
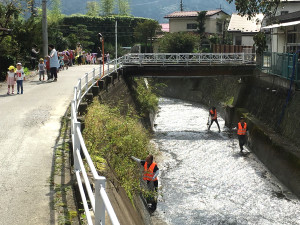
86	81
99	204
94	74
107	67
243	57
76	145
75	98
79	87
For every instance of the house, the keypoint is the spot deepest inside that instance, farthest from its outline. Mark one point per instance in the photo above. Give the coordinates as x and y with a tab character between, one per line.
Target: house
244	29
284	28
185	21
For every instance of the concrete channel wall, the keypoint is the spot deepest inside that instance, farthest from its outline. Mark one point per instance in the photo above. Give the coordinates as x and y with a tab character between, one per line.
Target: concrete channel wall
111	90
260	99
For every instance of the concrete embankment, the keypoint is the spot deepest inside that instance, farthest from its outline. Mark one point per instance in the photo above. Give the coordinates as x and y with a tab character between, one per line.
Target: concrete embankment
260	99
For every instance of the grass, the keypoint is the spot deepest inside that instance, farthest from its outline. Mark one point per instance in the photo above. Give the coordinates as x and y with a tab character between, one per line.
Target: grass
112	139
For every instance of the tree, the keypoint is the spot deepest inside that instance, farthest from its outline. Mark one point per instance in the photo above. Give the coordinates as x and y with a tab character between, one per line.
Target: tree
201	22
55	15
123	7
145	31
93	9
261	42
80	33
9	10
107	7
251	8
178	43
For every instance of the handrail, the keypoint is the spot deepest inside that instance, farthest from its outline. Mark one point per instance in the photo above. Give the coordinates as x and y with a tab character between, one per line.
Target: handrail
189	58
99	200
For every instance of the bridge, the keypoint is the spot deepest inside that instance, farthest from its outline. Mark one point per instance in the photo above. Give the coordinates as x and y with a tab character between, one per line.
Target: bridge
189	64
160	65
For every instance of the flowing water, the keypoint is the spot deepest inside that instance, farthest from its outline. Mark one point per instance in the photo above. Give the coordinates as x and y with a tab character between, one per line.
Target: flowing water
204	178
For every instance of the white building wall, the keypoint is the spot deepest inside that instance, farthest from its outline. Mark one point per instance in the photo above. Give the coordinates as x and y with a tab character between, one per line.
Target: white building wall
287	6
278	40
180	24
247	41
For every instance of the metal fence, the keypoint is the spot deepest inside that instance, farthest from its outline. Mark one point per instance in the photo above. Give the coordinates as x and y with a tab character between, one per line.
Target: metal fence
190	58
98	199
279	64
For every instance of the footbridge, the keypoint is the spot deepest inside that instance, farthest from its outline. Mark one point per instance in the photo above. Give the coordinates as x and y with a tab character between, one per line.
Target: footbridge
147	65
189	64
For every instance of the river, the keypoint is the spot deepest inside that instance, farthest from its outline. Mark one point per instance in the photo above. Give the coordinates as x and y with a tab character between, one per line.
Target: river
204	179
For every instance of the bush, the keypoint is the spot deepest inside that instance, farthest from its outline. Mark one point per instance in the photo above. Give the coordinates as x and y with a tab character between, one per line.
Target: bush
178	43
112	139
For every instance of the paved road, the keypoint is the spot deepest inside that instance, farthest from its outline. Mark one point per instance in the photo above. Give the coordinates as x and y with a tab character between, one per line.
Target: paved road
29	126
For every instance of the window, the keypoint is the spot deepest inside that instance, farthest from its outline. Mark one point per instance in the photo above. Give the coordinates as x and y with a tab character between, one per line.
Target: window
238	40
219	27
191	26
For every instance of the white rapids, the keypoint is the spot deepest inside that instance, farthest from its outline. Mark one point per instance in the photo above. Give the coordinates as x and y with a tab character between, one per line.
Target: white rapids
205	180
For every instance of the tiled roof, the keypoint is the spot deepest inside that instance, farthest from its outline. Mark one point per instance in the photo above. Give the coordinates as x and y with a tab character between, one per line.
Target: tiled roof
179	14
289	17
165	27
242	24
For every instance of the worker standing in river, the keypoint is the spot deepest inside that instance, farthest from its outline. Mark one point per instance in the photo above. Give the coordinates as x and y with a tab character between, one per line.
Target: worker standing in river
242	132
151	172
213	118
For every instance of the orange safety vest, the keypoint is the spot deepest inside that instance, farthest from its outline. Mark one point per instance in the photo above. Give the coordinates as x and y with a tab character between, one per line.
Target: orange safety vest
148	172
213	113
242	130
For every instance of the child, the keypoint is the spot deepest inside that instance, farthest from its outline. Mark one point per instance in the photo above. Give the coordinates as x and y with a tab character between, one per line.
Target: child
42	69
47	59
10	78
61	61
20	77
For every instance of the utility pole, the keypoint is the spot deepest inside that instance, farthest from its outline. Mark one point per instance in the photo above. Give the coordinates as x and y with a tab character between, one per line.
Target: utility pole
116	41
181	6
45	28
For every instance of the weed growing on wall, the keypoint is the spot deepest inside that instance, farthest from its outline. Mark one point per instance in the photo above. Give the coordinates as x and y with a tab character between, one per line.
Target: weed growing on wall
112	139
145	96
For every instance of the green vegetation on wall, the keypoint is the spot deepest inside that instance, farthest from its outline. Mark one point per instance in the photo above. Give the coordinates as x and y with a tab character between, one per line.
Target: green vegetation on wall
112	139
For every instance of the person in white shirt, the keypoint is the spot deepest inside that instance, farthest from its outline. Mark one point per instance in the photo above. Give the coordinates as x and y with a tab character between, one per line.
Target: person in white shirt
20	75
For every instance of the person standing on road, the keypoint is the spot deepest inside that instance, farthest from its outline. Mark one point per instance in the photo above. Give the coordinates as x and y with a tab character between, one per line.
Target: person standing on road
151	172
42	69
20	76
34	55
54	63
213	117
10	79
242	132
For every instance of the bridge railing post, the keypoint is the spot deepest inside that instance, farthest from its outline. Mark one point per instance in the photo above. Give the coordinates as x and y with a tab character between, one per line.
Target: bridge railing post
107	67
243	57
86	81
79	87
94	74
76	145
99	204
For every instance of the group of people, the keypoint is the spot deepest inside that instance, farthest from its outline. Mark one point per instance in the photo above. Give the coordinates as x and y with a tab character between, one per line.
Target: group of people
15	75
241	127
151	170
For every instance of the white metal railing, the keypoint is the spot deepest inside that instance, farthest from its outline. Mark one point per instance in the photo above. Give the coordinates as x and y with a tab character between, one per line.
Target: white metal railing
189	58
98	199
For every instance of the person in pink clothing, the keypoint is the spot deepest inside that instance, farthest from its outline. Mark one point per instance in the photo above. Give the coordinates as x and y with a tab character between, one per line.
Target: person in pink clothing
10	79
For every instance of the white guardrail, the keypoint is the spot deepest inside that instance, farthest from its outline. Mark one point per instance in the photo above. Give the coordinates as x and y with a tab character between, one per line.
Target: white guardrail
98	199
190	58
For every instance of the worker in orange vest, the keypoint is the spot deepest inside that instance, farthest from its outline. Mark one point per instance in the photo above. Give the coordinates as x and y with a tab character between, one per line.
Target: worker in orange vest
213	118
151	172
242	132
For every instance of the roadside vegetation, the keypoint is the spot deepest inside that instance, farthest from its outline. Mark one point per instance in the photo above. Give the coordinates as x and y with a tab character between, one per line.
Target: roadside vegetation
112	138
